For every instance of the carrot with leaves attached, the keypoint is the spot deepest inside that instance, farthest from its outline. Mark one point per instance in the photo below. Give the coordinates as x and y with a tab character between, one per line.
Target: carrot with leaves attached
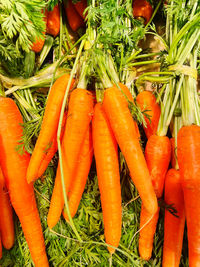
53	21
49	125
106	156
6	218
14	167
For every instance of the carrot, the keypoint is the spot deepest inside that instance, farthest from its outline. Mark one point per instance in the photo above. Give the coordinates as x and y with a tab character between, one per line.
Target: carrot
74	19
122	124
49	125
173	226
188	152
157	155
6	218
106	156
80	7
53	21
52	150
78	119
83	167
14	166
147	102
142	9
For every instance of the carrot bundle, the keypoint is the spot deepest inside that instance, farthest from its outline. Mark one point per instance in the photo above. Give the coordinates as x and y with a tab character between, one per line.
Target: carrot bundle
14	167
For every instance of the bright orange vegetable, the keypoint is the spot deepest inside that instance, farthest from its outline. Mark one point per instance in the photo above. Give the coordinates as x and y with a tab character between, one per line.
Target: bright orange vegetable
106	156
80	7
80	113
173	226
53	21
80	177
147	102
188	151
14	167
122	124
142	9
6	218
49	125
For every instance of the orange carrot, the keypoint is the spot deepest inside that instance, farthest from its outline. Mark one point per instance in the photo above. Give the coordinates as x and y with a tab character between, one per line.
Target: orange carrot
78	119
188	152
14	166
122	124
53	21
74	19
106	156
157	155
49	125
80	7
142	9
173	226
6	218
80	177
147	101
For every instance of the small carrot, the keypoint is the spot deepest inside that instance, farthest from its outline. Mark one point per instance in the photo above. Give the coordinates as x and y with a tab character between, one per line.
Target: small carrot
188	152
53	21
6	218
106	156
74	19
147	102
142	9
157	155
80	177
14	166
122	124
173	226
49	125
79	115
80	7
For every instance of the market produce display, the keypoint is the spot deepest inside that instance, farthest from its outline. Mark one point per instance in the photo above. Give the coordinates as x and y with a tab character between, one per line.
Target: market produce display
99	133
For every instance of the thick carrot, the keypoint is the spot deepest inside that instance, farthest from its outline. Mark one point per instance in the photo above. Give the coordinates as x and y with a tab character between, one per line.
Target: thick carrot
14	166
173	226
79	115
188	151
74	19
142	9
80	7
52	150
106	156
147	102
157	155
83	167
49	125
53	21
122	124
6	218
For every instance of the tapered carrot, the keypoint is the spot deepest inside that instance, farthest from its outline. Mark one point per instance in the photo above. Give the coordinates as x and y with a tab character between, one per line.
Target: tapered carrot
74	19
119	116
188	151
49	125
53	21
52	150
79	115
14	166
147	102
157	155
106	156
6	218
173	226
80	177
80	7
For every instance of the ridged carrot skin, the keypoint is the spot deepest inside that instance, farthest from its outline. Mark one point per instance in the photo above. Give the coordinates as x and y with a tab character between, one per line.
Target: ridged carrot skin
74	19
80	177
188	150
53	21
157	155
52	150
80	113
80	7
147	102
49	125
106	156
122	124
173	226
6	218
14	167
